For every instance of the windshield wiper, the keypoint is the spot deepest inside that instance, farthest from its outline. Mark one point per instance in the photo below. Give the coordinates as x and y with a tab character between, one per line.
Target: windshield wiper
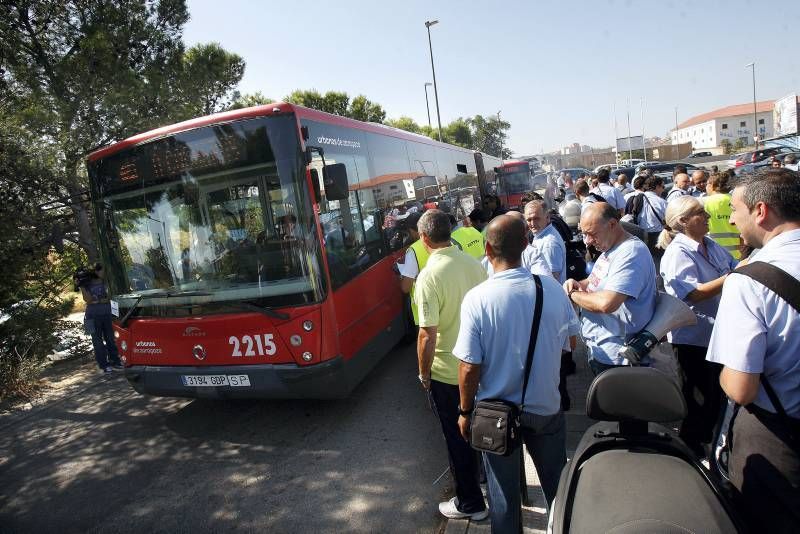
165	294
269	312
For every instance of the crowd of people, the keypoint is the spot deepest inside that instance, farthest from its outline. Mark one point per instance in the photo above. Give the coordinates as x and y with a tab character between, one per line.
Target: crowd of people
474	306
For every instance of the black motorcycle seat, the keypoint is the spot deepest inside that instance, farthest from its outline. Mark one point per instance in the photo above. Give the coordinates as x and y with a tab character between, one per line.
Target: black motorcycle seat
627	491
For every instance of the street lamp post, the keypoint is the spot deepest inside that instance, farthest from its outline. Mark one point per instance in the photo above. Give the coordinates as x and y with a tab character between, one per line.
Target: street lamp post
427	106
501	138
755	108
428	24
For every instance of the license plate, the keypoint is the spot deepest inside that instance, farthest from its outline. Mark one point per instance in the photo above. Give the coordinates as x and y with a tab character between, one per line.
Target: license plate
215	380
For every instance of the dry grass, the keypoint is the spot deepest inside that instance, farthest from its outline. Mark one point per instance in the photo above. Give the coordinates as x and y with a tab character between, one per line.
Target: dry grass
78	305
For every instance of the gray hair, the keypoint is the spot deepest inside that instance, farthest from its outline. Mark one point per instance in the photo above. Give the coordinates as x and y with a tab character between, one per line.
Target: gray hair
436	225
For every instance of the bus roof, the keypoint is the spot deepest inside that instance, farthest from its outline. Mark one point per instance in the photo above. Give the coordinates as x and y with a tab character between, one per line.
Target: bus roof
261	111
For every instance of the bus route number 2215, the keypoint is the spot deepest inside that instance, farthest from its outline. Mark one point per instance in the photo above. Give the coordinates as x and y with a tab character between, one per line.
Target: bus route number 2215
257	344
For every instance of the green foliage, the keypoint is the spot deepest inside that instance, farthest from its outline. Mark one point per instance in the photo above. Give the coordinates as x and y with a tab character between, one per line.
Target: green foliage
486	135
77	75
727	148
249	100
404	123
339	103
34	274
209	74
739	145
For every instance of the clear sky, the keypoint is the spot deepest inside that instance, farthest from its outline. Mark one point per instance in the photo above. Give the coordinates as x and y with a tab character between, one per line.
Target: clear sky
553	69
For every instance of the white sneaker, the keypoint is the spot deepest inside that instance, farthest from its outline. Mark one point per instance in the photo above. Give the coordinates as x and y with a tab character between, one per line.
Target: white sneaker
450	510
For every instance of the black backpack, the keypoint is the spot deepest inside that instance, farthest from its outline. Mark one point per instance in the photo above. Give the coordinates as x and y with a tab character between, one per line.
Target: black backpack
597	198
576	264
634	206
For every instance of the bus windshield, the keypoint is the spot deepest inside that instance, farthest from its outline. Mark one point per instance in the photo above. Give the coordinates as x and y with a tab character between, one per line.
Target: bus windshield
211	215
515	181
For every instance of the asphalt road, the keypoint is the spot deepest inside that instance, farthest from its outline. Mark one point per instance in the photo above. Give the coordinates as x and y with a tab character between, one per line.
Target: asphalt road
106	459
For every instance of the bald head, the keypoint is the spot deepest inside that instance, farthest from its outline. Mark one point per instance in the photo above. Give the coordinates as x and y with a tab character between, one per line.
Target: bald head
682	181
600	225
506	238
699	180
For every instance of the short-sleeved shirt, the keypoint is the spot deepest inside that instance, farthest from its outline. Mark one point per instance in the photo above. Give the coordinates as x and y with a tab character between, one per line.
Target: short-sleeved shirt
532	260
585	202
495	331
611	194
676	192
684	268
652	214
756	331
552	250
410	266
628	269
440	288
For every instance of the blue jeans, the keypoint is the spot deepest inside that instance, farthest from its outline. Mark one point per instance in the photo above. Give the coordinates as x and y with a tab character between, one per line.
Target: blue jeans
545	438
105	350
463	459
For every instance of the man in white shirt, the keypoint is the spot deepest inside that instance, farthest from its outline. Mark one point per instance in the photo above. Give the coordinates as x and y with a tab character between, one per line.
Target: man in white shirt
651	219
608	191
699	181
756	337
680	187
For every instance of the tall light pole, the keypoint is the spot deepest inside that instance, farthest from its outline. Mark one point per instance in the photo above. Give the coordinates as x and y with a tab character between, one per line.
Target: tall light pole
428	24
644	141
755	109
630	146
427	106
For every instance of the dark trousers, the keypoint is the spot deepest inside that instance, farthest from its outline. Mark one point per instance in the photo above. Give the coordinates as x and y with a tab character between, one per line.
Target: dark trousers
765	468
599	367
102	332
463	459
702	393
567	368
545	438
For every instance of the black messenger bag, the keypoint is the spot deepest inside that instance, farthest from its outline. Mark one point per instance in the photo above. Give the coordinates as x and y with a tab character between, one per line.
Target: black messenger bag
495	424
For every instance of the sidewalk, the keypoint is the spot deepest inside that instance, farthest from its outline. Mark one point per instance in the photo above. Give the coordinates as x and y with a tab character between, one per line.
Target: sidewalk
534	518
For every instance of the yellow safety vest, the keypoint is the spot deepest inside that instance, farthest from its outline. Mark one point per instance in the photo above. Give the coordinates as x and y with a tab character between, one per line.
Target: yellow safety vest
718	207
469	240
422	259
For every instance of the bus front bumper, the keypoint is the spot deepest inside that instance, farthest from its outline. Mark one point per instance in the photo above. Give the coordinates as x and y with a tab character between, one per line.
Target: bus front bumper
325	380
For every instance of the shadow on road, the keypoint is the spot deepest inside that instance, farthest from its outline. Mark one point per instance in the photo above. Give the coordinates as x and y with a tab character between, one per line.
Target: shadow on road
110	460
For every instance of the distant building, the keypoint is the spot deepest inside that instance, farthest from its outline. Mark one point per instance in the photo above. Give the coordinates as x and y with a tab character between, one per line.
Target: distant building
732	123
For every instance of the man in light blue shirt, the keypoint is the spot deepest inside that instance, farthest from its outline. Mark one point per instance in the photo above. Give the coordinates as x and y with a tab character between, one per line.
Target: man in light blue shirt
493	339
608	191
756	337
618	298
651	219
547	239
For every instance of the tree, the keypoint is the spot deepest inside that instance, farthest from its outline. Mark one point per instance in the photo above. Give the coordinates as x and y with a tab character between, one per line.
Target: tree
726	146
78	75
210	73
739	145
489	135
249	100
459	132
404	123
339	103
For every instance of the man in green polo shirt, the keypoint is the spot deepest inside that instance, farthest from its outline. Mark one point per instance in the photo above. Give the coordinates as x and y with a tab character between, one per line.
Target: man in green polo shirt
440	288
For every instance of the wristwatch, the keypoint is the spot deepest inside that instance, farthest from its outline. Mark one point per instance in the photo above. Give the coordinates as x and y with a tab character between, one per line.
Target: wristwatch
464	413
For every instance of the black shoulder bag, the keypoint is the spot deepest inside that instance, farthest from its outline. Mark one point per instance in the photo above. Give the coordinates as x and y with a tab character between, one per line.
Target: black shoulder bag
495	422
786	287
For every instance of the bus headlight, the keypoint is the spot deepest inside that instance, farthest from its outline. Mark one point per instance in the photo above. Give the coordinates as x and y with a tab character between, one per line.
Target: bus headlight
124	345
116	334
308	326
307	356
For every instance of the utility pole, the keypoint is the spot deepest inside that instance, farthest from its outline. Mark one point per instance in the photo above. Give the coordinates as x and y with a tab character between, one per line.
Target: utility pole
755	108
427	106
428	24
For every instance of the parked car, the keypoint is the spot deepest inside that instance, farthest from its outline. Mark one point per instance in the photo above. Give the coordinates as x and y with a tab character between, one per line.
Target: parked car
699	155
761	154
630	172
665	169
750	167
609	166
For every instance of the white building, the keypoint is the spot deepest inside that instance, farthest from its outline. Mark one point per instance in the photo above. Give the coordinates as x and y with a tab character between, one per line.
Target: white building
732	123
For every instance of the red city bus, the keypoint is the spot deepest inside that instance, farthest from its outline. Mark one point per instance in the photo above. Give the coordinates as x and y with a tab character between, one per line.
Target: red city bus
513	181
250	252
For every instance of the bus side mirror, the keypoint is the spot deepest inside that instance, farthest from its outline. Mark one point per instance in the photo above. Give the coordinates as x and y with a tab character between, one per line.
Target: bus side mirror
335	179
316	186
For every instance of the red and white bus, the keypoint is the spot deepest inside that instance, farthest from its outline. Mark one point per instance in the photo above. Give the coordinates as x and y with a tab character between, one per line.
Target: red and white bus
250	252
513	181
